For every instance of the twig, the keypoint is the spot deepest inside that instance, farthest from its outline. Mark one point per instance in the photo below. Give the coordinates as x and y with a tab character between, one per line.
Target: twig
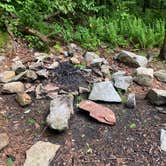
51	15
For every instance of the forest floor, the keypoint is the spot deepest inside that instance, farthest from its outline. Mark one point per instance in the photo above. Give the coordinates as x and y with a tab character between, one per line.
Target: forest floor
88	142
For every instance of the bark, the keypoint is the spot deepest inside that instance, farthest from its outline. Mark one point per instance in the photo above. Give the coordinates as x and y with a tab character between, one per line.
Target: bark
162	54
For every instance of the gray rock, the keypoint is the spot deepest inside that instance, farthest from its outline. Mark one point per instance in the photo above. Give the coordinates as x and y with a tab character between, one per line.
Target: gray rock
160	75
72	49
6	76
84	89
131	102
43	73
163	139
105	69
144	76
40	57
132	59
53	65
41	154
157	96
30	75
123	82
61	109
90	56
36	65
97	61
104	91
2	58
4	140
13	87
18	77
40	92
18	66
161	109
118	73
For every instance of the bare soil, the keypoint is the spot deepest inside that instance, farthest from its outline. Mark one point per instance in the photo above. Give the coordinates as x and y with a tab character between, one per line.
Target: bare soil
133	141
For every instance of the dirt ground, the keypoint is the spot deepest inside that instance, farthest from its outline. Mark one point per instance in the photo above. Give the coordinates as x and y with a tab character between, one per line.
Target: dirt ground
87	142
133	141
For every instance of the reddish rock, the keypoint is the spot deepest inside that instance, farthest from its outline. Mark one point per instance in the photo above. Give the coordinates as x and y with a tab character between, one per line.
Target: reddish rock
99	112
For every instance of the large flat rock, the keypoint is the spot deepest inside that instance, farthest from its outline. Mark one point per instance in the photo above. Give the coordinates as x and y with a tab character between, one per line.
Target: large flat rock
99	112
104	91
41	154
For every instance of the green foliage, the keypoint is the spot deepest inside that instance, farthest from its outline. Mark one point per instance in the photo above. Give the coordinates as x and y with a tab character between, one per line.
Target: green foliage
9	161
133	126
123	97
119	23
30	120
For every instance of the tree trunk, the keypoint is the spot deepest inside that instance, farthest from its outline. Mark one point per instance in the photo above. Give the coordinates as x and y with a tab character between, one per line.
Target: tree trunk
162	54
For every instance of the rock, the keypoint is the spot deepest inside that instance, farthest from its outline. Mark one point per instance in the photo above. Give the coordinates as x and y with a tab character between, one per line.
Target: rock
30	75
97	61
4	140
23	99
131	102
163	139
43	73
144	76
40	57
2	58
123	82
160	75
104	91
84	89
52	95
61	109
18	66
157	96
13	87
90	56
132	59
118	73
40	91
53	65
99	112
105	69
161	109
50	87
18	77
74	60
36	65
6	76
72	49
41	154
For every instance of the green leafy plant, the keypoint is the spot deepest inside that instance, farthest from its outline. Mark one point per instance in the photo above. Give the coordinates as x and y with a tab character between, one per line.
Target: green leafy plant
30	120
133	126
9	161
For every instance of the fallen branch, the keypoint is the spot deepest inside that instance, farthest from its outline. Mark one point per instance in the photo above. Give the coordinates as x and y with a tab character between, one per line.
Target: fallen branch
42	37
51	15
